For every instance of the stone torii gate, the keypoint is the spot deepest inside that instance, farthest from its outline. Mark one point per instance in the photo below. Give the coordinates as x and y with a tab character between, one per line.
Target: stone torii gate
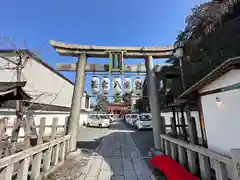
83	51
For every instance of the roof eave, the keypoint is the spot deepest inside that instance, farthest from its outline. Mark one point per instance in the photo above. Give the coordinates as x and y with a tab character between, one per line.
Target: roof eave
212	76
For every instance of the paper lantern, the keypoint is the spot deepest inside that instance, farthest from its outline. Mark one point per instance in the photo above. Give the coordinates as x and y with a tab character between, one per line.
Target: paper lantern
117	85
138	85
95	85
127	85
105	85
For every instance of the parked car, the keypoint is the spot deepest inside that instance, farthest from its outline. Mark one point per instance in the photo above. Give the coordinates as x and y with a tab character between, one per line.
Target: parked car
110	117
133	118
98	120
144	121
126	118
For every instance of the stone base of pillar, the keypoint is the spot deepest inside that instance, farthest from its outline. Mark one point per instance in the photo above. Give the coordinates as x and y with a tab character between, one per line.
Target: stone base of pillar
154	152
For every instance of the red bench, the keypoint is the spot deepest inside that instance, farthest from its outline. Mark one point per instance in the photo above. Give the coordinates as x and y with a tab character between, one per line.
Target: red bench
171	169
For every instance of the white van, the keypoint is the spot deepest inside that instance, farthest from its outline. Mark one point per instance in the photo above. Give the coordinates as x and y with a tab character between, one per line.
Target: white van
144	121
98	120
133	118
126	118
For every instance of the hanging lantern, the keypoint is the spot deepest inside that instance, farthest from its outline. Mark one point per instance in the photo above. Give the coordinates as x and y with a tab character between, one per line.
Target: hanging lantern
127	85
95	85
117	85
138	85
105	85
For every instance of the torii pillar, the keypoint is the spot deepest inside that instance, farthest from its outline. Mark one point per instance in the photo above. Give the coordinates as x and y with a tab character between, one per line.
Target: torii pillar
81	51
78	93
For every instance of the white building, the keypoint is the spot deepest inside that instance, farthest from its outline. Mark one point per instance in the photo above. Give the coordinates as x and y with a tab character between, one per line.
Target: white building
219	94
50	90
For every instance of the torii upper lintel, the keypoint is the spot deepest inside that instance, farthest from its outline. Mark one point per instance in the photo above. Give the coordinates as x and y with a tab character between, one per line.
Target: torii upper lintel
66	49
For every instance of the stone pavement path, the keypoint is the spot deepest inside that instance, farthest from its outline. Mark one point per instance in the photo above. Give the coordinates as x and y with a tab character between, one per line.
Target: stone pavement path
117	159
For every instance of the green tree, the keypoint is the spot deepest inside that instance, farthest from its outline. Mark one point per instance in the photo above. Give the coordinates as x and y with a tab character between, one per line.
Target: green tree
102	104
117	98
210	37
126	97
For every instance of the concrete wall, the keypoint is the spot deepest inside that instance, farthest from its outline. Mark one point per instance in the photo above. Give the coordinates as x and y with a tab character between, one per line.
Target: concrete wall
44	85
222	119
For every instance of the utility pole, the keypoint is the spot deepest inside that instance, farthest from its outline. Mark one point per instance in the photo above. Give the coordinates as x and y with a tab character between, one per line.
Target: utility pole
19	103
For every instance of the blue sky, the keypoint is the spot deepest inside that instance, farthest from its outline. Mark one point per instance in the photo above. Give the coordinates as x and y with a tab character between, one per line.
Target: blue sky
92	22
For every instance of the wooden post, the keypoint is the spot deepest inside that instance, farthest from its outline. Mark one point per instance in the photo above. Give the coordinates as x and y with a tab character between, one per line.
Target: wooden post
2	128
205	167
54	128
235	162
192	156
49	152
164	132
6	173
55	151
182	156
24	164
62	151
173	150
221	171
37	158
192	161
167	147
33	131
184	131
27	133
202	125
178	122
173	123
23	170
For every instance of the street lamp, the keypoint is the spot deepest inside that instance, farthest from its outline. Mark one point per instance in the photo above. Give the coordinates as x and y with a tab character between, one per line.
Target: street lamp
179	53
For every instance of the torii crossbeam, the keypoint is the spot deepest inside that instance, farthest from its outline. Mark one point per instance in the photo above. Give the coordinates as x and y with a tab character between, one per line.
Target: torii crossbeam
83	51
65	49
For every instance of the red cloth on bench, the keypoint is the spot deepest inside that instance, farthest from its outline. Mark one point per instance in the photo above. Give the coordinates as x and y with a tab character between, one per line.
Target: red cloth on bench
171	169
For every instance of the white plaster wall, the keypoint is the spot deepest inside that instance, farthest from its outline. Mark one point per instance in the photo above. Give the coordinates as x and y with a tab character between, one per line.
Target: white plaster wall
222	121
37	115
44	85
230	78
49	115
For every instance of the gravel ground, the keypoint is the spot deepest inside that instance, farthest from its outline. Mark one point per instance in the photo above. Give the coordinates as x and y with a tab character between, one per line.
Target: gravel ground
72	167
